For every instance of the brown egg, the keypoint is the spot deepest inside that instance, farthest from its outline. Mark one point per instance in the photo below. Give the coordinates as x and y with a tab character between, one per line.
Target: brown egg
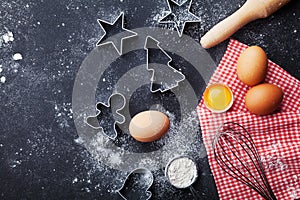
252	66
263	99
149	126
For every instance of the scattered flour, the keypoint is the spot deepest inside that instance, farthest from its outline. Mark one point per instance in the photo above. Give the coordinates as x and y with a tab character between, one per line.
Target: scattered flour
75	180
62	113
17	56
2	79
273	159
8	37
182	139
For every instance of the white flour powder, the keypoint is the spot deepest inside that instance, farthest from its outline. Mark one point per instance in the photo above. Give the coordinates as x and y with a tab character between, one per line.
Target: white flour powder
8	37
182	172
17	56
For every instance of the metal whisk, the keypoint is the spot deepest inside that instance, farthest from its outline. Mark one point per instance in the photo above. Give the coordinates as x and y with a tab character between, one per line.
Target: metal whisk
236	154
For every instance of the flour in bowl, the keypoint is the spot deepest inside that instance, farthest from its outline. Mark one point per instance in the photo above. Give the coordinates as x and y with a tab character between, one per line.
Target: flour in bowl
182	172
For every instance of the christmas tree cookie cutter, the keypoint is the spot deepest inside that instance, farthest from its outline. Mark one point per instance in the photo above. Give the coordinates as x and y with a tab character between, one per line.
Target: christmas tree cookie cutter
152	43
105	119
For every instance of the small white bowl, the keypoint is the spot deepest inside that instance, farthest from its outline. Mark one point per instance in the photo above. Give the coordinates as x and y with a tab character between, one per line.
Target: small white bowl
195	175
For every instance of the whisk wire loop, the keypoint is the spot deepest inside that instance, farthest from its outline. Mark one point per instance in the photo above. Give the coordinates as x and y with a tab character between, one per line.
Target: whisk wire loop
236	153
237	173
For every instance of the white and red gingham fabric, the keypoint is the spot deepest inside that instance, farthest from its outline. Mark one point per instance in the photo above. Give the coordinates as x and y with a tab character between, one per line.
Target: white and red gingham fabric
276	136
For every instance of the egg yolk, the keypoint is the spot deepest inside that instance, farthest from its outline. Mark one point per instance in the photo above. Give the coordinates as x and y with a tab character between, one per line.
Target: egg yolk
217	96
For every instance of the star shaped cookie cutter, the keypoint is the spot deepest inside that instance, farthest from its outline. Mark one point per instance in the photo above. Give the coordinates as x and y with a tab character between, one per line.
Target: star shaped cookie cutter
118	21
105	119
179	18
152	43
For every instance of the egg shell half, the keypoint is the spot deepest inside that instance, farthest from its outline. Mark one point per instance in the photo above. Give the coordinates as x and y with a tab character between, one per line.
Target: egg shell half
149	126
263	99
252	66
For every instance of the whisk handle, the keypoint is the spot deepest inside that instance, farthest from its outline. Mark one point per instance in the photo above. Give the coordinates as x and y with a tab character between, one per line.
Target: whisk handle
194	193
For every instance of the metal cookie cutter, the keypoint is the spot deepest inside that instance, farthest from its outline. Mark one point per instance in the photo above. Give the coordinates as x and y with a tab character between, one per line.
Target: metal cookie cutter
105	119
170	77
119	21
179	15
137	183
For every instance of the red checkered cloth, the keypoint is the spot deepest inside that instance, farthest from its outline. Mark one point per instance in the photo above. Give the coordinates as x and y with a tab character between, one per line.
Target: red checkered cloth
277	136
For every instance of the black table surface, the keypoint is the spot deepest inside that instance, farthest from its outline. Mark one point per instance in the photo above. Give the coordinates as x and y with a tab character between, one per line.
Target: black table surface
39	158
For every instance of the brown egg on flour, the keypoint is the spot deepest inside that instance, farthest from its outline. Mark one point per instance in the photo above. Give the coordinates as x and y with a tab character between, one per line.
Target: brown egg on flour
252	66
149	126
263	99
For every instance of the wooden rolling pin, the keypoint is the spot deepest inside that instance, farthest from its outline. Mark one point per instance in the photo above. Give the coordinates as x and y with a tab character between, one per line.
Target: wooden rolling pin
251	10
